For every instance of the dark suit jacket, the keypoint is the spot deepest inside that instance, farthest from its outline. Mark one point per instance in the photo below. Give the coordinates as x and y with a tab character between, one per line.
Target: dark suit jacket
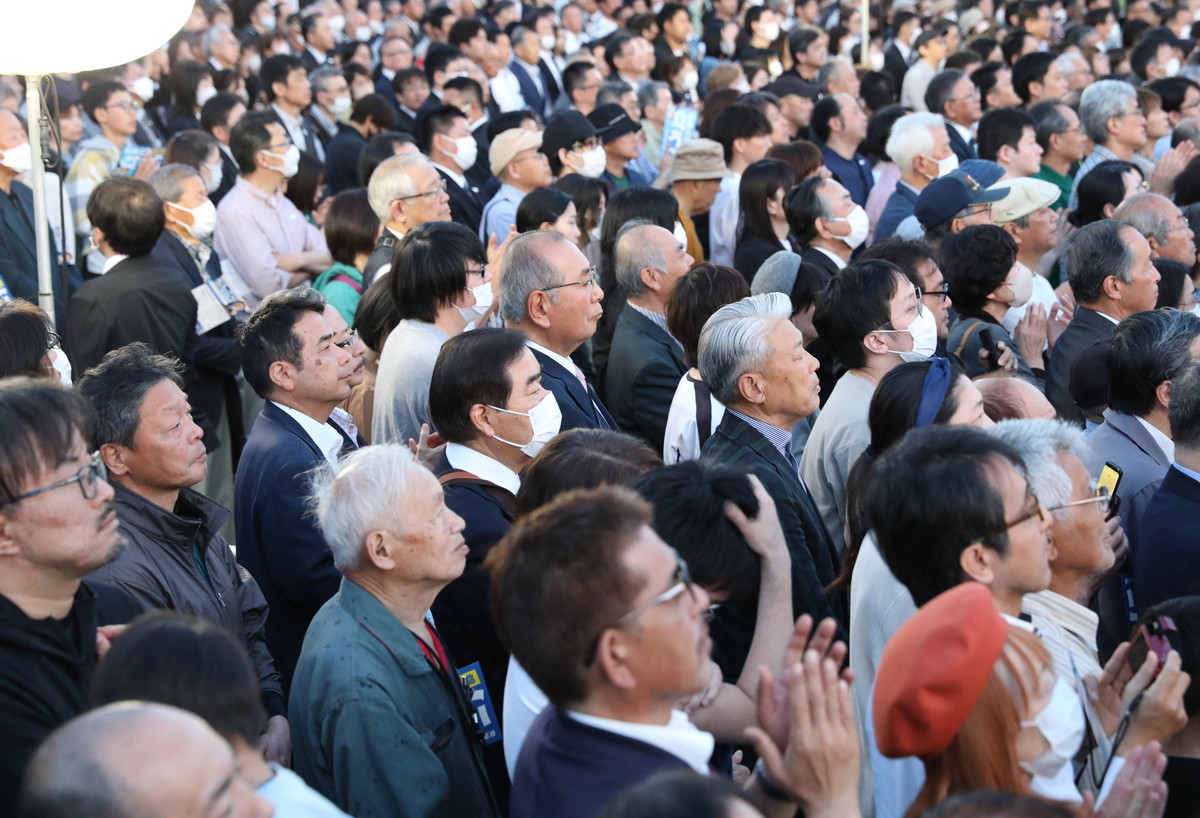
960	147
534	98
751	251
568	769
229	175
899	206
310	62
895	64
323	136
1085	329
341	159
1166	563
139	299
384	250
643	371
278	542
812	255
580	408
218	354
466	205
815	561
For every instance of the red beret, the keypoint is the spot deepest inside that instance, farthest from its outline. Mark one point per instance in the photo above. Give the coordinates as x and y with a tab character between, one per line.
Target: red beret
933	670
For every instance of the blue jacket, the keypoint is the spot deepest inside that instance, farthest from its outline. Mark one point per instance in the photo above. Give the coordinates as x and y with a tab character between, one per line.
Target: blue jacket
1166	563
568	769
899	206
277	541
580	408
375	729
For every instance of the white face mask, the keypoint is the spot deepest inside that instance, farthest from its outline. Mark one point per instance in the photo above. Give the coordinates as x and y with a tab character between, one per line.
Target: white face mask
547	42
290	159
204	219
362	34
771	32
544	419
950	163
689	81
466	151
924	337
62	366
860	225
254	63
204	94
1022	286
143	88
877	62
215	176
1172	67
340	106
267	23
1062	724
483	303
594	162
594	235
18	158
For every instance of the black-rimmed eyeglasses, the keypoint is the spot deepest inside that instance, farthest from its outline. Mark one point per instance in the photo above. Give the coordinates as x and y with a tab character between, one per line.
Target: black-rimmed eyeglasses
85	477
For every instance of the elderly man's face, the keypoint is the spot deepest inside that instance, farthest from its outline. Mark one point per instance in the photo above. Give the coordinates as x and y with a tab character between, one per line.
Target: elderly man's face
61	530
1078	531
668	646
168	449
327	368
789	374
1178	243
428	545
574	310
1141	293
1024	568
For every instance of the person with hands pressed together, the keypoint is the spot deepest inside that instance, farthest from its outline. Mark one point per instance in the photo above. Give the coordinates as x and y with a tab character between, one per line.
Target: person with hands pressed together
259	230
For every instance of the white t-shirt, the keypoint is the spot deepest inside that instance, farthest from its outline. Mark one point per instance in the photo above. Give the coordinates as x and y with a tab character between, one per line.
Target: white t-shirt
292	798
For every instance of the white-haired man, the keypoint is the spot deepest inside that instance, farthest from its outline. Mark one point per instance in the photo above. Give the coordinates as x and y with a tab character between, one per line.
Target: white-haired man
920	147
404	191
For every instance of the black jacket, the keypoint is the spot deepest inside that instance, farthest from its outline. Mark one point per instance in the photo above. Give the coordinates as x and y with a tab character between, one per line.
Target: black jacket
1085	329
962	149
579	407
160	567
644	367
466	204
46	666
751	251
384	250
341	159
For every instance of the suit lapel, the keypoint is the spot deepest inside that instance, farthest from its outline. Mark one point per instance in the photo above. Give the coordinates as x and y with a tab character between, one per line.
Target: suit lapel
1129	426
288	424
553	369
656	333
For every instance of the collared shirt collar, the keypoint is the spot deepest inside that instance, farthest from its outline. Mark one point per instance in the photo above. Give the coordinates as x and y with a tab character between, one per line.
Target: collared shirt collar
258	193
325	436
484	467
458	178
1195	475
563	361
320	56
841	265
323	119
966	133
1165	443
659	320
779	438
679	736
112	261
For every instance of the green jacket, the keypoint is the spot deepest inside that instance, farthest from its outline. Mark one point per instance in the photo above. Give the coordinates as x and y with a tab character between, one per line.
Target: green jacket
370	719
341	293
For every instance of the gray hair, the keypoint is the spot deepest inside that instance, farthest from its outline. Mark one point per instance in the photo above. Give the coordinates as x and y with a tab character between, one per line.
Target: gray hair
1049	120
365	494
1144	212
1094	253
391	181
1186	130
524	271
320	78
1184	411
734	341
168	180
1039	442
210	37
1069	60
634	254
1101	101
827	73
648	94
612	91
912	136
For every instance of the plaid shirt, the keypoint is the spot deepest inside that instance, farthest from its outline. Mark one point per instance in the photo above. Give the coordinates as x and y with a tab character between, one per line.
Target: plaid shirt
96	160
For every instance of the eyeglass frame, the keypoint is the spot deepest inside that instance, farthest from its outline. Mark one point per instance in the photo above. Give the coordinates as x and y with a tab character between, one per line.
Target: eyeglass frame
350	340
441	188
941	294
93	468
591	281
920	312
1030	513
53	341
1098	494
684	582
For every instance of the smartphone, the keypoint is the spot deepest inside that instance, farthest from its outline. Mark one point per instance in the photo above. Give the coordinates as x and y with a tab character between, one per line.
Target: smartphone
1155	634
993	350
1110	478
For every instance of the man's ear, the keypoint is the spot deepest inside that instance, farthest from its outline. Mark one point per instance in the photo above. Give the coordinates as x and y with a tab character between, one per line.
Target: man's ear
378	551
114	458
8	546
282	375
1155	247
874	343
1111	288
1163	393
612	659
649	279
978	563
537	307
1014	231
752	388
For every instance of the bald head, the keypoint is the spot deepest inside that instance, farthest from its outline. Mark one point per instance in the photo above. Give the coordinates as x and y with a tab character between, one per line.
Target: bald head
137	760
1162	224
1008	398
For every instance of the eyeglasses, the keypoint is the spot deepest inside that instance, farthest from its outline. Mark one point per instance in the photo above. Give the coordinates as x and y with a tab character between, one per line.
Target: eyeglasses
85	477
587	283
131	107
1101	495
350	340
1033	509
586	144
437	191
1177	227
1134	112
973	95
940	295
53	341
682	582
916	311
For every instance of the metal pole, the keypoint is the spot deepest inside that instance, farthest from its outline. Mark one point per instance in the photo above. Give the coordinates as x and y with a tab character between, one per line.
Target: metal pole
864	58
41	227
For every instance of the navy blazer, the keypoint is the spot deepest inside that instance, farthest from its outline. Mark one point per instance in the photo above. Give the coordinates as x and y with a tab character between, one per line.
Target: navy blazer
900	205
277	540
1166	563
535	100
962	149
466	204
815	561
644	367
580	408
568	769
1085	329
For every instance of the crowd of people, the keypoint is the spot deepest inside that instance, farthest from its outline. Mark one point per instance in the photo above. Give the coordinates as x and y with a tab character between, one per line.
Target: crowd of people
480	409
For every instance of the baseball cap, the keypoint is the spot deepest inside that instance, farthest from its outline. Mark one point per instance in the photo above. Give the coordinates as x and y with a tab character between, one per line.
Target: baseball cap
507	145
946	195
698	159
613	122
564	129
986	172
1025	195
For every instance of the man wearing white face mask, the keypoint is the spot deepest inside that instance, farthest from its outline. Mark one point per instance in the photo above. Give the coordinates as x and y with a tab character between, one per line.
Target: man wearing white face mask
872	319
331	103
445	137
260	231
826	222
488	402
920	146
182	250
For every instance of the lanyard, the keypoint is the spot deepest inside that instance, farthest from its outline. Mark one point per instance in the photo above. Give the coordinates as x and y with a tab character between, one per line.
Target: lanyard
436	655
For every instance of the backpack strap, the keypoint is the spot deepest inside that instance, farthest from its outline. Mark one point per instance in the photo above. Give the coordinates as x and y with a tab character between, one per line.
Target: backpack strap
345	279
703	411
962	344
505	499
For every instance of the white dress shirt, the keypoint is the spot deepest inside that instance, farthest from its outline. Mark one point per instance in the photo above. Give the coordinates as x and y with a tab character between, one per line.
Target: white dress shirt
325	436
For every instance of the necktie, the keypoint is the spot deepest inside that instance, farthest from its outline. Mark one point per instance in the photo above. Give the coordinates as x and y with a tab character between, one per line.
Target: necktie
579	377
